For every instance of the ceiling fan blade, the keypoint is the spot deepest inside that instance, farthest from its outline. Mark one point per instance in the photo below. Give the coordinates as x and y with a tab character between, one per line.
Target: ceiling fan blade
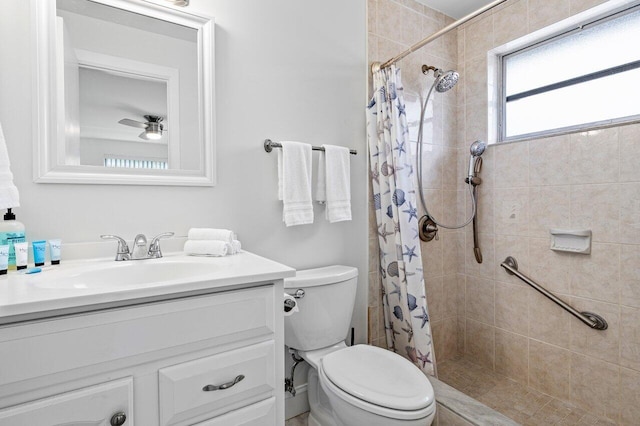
133	123
143	135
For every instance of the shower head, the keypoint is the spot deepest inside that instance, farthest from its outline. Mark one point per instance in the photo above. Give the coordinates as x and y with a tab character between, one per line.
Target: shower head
445	80
477	148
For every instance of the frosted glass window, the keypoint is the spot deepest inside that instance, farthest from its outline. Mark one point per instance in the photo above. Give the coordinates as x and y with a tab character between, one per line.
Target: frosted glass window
132	163
587	77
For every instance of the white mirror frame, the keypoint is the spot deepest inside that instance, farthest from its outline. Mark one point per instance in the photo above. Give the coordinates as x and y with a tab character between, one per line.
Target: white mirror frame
46	127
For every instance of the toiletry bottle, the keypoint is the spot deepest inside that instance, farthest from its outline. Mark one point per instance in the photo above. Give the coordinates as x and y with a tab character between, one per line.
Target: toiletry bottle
11	231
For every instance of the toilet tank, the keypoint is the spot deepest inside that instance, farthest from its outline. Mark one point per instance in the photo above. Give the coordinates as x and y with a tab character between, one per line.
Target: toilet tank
325	311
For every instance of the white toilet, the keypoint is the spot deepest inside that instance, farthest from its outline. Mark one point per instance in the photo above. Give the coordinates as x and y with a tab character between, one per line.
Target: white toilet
359	385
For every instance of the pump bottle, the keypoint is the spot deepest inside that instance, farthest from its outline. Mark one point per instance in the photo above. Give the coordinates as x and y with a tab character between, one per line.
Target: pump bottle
11	231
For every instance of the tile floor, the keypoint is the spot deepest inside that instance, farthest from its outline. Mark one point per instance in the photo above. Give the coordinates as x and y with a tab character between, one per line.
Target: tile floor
516	401
300	420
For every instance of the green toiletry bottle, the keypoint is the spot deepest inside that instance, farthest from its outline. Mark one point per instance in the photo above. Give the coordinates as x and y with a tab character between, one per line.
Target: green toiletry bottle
11	231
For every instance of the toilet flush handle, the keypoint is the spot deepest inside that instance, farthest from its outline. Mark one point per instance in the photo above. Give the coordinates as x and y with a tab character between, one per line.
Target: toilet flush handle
299	294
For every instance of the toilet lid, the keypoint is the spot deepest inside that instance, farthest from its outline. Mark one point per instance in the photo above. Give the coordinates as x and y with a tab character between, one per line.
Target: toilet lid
379	377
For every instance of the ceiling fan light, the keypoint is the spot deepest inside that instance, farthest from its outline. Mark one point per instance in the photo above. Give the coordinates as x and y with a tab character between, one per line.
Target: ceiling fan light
153	131
153	135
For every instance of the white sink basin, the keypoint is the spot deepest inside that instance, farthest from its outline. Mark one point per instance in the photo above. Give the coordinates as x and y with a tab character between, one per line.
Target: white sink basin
127	274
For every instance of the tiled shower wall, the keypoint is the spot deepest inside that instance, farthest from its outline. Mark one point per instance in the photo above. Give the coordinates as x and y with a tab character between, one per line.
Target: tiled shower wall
393	27
585	180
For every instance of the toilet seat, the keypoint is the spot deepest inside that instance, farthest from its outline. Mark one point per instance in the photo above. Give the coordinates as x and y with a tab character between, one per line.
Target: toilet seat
378	381
378	410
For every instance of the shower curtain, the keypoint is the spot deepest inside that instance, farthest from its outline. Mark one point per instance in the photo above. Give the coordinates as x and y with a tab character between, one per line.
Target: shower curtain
406	316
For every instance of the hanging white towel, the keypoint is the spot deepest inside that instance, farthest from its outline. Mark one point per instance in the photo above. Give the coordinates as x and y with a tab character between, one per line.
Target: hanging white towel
333	185
225	235
321	179
294	183
9	196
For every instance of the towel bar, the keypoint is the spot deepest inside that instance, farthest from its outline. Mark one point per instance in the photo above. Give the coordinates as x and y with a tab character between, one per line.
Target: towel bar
269	145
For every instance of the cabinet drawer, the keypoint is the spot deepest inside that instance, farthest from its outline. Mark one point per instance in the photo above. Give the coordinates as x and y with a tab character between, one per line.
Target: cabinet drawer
91	339
94	405
181	387
261	414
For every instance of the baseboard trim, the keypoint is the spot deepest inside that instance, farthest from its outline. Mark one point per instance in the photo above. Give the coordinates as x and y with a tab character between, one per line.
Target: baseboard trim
296	405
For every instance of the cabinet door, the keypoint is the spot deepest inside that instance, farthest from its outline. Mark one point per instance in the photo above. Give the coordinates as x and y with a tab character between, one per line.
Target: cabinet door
260	414
92	406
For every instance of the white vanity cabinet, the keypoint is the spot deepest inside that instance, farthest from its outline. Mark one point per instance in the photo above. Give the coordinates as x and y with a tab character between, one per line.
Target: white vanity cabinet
104	404
206	359
259	414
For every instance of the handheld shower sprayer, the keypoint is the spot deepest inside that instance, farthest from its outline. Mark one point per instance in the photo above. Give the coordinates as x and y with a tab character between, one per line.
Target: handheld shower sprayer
428	225
475	163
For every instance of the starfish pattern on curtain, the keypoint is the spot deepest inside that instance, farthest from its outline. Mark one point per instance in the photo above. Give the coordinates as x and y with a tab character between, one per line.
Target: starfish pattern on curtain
406	315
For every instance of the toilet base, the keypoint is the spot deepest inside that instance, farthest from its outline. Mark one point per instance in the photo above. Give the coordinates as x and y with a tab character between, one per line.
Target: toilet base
319	409
311	421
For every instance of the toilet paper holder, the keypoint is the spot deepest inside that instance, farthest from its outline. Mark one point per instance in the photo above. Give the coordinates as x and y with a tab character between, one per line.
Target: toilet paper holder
291	302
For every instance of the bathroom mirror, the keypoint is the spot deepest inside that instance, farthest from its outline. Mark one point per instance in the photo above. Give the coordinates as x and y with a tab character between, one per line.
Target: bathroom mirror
125	93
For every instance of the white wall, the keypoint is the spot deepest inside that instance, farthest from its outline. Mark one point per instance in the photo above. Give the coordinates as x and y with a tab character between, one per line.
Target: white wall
285	69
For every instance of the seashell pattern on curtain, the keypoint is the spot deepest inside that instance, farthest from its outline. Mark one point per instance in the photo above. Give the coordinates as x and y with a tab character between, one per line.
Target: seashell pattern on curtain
406	315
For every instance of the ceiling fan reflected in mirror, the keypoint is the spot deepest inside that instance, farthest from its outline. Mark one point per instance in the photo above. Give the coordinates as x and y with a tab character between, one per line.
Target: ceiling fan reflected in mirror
153	127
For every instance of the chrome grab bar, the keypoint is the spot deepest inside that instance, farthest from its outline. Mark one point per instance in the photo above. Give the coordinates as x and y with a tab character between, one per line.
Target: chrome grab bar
594	321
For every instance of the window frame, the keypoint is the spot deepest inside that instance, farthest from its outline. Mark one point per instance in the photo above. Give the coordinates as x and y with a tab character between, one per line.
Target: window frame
547	38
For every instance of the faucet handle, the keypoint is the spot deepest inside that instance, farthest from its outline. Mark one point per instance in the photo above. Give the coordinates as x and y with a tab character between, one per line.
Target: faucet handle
123	249
154	246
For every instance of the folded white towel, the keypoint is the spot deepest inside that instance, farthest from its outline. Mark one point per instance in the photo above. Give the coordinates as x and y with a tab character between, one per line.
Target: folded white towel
234	248
334	182
206	248
294	183
225	235
9	196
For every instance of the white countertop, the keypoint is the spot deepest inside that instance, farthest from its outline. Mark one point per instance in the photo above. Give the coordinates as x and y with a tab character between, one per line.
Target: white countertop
33	296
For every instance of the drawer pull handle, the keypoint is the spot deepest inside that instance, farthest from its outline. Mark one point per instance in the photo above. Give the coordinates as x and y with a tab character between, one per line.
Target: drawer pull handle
224	386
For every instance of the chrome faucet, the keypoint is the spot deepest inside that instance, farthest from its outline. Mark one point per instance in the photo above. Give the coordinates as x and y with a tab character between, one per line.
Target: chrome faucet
139	247
140	250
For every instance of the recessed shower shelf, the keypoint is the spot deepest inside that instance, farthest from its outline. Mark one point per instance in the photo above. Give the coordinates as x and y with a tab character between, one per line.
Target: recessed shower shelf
575	241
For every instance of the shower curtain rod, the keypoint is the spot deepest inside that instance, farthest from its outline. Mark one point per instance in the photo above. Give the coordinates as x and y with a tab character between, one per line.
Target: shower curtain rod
375	66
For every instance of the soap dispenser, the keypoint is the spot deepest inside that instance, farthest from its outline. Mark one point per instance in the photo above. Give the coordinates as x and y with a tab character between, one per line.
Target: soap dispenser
11	231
